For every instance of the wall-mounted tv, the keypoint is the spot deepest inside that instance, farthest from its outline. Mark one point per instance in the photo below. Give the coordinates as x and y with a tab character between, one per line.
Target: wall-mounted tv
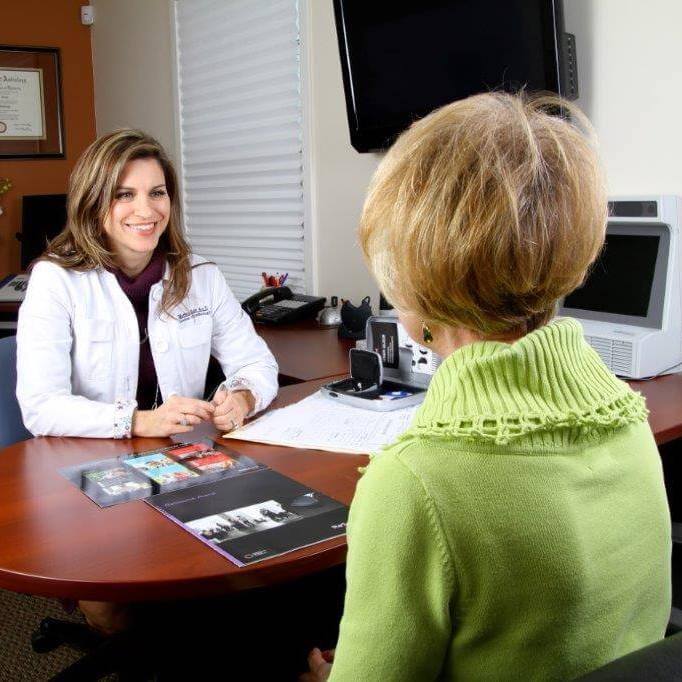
400	60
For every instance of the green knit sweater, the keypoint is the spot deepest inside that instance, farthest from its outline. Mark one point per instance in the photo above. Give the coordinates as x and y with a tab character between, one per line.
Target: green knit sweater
519	530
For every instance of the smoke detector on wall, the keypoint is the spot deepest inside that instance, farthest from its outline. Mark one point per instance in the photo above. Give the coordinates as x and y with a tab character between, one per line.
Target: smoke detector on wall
87	15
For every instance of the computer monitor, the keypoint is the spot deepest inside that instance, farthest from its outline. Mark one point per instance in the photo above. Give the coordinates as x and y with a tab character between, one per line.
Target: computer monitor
43	217
627	283
629	304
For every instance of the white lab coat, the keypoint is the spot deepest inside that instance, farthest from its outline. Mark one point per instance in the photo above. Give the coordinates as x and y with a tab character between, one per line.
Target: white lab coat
78	345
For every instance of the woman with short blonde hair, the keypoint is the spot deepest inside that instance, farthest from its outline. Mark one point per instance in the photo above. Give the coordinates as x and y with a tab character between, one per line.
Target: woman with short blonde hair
519	529
487	213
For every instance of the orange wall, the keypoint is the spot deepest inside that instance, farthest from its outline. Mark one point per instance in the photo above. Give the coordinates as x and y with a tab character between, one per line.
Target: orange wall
47	24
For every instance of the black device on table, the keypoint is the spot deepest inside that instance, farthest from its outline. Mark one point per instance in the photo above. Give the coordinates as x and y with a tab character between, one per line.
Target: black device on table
279	305
368	388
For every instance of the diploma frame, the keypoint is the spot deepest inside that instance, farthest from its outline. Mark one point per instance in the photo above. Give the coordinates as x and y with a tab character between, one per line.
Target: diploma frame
48	141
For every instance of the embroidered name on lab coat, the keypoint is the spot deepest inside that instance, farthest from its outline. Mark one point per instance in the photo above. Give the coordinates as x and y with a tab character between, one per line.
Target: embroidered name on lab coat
194	312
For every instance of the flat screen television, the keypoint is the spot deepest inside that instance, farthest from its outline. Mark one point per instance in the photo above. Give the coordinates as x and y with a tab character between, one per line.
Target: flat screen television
402	60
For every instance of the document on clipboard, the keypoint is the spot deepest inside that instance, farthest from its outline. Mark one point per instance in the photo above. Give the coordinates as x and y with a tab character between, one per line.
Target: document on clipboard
317	423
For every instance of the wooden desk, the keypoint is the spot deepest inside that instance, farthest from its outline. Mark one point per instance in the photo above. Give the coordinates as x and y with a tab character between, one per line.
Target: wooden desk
306	351
9	307
56	542
8	318
664	400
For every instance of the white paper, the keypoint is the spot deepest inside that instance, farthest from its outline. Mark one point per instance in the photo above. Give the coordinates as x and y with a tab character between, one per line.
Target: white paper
319	423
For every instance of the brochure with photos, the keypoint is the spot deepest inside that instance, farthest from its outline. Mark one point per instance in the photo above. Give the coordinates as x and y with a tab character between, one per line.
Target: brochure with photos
136	476
255	515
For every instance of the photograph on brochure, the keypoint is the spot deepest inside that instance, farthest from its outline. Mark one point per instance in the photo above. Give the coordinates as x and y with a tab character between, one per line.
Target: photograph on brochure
243	521
115	482
254	517
161	469
202	458
135	476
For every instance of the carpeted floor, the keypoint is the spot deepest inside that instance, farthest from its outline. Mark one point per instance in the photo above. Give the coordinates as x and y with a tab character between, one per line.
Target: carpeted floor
304	613
19	617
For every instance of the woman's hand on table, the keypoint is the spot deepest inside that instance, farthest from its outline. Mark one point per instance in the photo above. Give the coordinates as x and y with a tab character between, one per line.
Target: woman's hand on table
175	415
231	408
320	664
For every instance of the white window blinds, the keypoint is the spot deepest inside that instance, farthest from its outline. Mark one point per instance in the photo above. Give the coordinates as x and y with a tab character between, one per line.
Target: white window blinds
239	91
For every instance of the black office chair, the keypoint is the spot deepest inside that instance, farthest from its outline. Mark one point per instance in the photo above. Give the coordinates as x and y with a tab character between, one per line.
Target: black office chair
125	654
659	662
214	377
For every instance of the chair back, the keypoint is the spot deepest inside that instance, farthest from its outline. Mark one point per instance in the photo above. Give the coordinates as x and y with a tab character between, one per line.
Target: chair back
659	662
12	427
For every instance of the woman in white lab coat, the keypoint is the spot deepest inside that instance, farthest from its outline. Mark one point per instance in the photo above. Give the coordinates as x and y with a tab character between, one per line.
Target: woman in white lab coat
120	319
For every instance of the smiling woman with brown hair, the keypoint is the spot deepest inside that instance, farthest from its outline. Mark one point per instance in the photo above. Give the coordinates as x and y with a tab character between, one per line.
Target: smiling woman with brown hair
519	529
120	318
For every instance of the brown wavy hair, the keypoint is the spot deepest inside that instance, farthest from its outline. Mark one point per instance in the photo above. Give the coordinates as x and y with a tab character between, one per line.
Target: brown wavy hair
82	243
486	212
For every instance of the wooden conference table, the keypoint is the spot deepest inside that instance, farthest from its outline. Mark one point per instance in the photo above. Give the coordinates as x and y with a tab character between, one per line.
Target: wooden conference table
55	542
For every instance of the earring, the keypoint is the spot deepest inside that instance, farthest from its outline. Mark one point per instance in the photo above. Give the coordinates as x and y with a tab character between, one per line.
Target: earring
426	333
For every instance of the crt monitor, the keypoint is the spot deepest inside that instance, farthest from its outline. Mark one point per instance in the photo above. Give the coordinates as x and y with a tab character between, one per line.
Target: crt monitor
626	284
630	305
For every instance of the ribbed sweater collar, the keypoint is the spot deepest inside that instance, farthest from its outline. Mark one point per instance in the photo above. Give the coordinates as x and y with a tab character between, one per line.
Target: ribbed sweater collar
549	387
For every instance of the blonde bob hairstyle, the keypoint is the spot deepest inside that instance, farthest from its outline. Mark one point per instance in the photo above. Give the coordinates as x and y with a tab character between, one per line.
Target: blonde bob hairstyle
82	245
486	212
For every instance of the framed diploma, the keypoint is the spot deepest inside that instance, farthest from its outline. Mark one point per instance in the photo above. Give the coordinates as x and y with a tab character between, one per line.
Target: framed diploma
30	103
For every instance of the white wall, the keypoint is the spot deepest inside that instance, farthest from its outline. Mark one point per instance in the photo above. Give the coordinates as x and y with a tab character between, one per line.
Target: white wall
133	67
630	73
132	63
340	175
630	78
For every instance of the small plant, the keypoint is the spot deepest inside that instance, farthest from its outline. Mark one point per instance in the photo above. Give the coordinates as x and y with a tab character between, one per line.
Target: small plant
5	186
